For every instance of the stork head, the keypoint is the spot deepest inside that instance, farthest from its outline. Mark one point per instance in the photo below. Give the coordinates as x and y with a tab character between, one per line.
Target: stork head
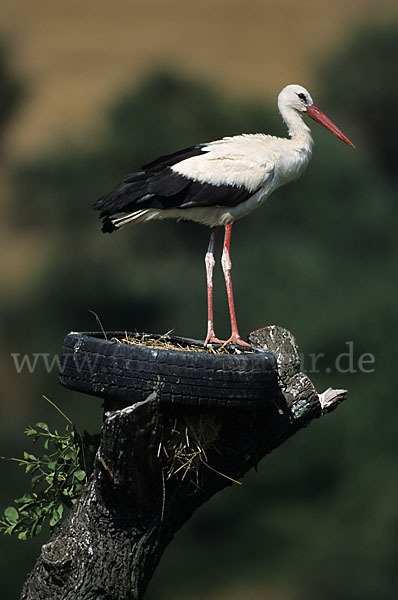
296	97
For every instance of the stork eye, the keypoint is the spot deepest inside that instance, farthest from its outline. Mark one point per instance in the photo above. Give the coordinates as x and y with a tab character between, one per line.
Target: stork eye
302	96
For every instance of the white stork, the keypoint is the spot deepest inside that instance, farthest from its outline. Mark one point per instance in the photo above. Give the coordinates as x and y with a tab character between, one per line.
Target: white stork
217	183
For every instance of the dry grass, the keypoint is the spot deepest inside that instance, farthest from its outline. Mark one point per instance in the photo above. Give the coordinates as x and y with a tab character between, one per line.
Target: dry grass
184	446
166	342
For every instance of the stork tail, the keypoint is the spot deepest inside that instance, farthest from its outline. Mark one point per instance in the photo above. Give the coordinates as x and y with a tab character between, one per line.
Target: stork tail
110	224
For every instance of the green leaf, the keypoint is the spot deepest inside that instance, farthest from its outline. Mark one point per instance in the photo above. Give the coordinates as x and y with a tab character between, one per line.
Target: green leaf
79	474
30	431
36	479
43	426
78	488
25	499
46	508
70	454
33	530
10	529
28	456
51	465
23	535
11	514
56	515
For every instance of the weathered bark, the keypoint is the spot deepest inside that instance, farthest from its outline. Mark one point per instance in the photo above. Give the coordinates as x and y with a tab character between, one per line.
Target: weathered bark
141	492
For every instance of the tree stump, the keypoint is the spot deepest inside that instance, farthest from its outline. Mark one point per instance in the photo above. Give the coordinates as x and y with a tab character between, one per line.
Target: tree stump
156	464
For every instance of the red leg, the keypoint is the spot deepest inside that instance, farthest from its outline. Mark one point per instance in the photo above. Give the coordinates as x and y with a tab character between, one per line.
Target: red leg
226	266
210	262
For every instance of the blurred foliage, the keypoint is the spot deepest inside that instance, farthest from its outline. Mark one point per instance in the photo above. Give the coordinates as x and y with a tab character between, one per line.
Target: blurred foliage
318	258
11	90
365	89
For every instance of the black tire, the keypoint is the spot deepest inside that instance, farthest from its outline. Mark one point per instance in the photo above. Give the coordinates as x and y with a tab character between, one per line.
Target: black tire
124	374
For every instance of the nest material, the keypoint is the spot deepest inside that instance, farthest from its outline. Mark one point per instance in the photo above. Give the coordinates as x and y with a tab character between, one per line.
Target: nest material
185	444
166	343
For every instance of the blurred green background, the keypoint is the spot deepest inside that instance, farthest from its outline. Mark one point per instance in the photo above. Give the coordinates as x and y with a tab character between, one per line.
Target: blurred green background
319	518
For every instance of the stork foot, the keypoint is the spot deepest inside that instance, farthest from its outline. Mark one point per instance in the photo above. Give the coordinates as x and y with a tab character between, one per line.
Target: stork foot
211	339
237	340
234	339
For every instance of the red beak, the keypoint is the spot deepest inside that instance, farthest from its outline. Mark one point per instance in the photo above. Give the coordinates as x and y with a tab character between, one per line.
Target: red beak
315	113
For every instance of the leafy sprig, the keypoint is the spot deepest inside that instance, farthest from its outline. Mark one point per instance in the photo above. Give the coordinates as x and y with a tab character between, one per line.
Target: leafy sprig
58	476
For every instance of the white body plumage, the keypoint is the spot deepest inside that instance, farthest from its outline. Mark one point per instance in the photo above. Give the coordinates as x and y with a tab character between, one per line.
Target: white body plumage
258	162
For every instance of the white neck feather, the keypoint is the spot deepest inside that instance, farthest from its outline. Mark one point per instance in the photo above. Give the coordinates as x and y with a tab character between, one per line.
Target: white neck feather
299	133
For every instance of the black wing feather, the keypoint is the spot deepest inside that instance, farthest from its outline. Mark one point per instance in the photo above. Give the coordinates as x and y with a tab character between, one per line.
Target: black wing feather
158	186
166	183
171	159
205	194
